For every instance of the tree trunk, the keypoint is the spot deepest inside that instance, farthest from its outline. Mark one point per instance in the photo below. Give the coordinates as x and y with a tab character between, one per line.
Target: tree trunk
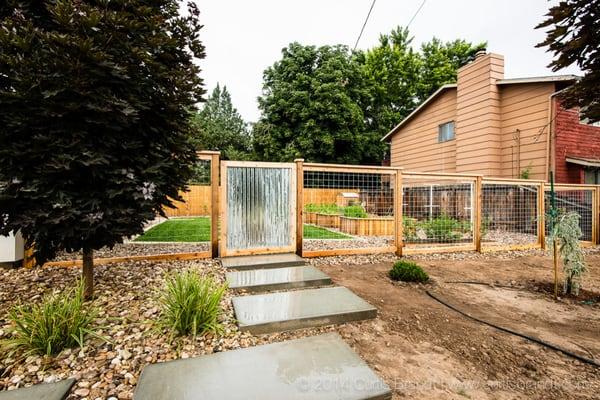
87	273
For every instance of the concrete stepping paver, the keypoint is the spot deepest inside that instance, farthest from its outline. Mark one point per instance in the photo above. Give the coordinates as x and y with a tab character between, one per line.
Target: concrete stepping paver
44	391
282	311
262	261
321	367
277	278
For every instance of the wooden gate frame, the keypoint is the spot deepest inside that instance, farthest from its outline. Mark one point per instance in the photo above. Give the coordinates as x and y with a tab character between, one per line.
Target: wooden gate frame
223	251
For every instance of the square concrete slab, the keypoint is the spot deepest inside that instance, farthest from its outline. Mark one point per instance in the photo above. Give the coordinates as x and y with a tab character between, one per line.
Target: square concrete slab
262	261
262	280
283	311
44	391
321	367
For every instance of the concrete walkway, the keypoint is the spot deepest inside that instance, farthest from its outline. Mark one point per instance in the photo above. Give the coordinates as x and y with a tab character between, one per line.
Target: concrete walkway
44	391
321	367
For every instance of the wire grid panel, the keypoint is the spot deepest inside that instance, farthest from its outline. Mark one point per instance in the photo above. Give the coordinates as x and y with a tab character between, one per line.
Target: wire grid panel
348	209
580	201
510	214
437	211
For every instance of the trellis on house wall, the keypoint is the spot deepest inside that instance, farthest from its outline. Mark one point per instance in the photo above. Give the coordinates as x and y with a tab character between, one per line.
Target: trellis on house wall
383	210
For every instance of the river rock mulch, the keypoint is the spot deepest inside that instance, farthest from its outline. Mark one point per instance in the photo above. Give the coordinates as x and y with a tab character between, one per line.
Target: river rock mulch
126	294
138	249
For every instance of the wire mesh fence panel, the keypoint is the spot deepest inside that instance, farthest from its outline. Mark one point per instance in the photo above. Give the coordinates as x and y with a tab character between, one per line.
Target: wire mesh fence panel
347	209
437	211
578	200
510	214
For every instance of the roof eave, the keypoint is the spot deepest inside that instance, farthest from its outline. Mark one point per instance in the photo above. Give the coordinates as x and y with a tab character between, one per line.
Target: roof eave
419	108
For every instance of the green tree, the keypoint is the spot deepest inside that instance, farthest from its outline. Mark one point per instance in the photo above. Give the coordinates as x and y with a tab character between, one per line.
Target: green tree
573	38
95	125
400	78
219	126
312	107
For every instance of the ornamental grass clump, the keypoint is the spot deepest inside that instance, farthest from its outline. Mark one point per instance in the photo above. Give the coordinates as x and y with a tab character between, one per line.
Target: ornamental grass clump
190	303
60	321
408	271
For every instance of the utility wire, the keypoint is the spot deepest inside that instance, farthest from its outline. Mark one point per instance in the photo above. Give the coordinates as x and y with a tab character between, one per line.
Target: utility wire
416	13
364	24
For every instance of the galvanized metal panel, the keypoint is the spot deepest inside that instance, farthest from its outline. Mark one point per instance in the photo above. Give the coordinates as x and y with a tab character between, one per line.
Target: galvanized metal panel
258	207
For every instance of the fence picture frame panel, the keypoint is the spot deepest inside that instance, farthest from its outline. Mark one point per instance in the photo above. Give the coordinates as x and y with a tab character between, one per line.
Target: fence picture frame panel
348	210
512	214
439	212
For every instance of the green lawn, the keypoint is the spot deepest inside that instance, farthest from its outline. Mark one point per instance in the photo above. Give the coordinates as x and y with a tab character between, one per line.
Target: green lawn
198	230
179	230
316	232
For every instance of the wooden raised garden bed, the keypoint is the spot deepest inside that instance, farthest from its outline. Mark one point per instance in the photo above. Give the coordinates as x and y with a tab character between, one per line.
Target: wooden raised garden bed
377	226
328	221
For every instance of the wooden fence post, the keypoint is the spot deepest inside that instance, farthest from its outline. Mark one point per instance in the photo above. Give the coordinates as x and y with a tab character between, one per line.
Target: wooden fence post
398	221
596	215
215	206
478	213
299	204
542	215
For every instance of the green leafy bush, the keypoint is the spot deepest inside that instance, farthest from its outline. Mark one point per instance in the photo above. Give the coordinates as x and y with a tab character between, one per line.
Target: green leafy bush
58	322
355	212
567	232
408	271
191	303
409	228
443	228
329	209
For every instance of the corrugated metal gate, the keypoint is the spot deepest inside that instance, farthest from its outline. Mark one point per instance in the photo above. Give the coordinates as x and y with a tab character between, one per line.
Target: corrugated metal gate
258	208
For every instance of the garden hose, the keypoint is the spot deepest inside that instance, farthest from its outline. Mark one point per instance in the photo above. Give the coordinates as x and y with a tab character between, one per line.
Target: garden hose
519	334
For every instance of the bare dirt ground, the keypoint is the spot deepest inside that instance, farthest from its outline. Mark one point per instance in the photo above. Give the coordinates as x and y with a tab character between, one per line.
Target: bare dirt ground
424	350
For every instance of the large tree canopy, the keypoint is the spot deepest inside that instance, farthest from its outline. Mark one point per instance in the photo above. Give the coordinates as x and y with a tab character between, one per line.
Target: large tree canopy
219	126
328	104
312	107
94	128
574	38
400	78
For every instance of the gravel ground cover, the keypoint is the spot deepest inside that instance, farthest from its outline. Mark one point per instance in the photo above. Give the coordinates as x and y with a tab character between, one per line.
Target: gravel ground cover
421	349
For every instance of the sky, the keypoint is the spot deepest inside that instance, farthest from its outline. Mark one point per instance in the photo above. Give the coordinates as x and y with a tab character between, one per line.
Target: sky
243	38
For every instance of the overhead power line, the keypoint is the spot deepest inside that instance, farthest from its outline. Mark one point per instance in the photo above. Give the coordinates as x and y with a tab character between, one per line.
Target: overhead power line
364	24
416	13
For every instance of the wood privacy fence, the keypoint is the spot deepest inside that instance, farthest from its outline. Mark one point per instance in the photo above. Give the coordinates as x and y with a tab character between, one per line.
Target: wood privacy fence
411	212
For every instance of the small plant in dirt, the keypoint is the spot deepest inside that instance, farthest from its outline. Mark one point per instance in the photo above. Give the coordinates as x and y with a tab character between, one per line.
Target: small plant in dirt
60	321
567	232
408	271
443	228
355	212
190	303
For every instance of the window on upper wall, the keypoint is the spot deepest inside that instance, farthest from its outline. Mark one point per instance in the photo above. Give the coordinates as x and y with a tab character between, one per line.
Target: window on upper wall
446	132
592	176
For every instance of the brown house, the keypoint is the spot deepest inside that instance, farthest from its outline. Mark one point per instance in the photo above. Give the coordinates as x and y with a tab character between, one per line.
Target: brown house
485	124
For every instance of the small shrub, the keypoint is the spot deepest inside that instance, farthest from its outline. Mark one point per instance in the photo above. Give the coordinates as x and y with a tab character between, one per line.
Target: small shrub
355	212
191	303
567	232
408	271
443	228
58	322
409	228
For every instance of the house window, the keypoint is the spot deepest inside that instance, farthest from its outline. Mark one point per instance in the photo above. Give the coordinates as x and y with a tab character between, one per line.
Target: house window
446	132
592	176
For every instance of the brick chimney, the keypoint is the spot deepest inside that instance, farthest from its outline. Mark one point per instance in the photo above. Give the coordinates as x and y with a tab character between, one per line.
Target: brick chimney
478	133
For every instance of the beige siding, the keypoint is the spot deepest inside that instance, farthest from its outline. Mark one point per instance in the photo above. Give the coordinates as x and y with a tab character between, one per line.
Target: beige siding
478	121
415	147
524	107
487	117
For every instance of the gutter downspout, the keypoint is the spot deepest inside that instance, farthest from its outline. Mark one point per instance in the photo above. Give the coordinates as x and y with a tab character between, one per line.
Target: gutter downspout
549	142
